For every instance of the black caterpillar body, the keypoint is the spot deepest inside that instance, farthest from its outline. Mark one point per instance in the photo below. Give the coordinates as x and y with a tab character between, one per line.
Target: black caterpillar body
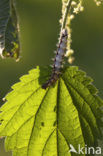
58	60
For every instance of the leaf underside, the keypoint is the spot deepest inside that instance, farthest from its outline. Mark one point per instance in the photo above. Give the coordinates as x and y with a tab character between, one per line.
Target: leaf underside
38	122
9	31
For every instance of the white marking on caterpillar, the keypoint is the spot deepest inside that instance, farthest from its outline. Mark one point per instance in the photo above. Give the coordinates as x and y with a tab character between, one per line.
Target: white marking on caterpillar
58	60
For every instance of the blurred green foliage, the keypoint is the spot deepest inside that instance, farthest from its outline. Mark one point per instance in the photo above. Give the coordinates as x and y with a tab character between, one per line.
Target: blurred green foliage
39	32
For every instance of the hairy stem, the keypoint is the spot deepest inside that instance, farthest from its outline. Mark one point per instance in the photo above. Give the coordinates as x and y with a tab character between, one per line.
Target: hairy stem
68	5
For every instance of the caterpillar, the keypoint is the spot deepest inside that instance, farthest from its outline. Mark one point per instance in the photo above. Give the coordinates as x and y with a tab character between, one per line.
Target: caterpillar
58	60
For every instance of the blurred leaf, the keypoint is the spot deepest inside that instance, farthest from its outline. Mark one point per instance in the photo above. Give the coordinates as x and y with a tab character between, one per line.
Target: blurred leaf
9	37
45	122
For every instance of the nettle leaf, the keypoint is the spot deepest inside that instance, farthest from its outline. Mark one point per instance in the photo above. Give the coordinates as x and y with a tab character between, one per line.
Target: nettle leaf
40	122
9	31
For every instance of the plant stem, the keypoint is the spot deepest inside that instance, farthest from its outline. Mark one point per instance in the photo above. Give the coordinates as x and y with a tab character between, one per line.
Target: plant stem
66	14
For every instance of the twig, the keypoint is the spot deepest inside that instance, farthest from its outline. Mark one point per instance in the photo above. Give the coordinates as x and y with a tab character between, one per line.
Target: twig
67	9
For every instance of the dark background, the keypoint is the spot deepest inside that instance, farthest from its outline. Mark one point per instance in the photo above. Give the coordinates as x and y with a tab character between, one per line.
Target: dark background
39	32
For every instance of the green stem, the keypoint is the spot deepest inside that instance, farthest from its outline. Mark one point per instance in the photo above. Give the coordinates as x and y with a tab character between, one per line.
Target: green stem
66	13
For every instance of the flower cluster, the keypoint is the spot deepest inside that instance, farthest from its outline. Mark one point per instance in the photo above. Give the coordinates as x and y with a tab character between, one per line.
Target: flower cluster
76	6
98	2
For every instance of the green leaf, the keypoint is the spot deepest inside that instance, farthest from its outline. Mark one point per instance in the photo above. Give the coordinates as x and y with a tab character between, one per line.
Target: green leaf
9	31
43	122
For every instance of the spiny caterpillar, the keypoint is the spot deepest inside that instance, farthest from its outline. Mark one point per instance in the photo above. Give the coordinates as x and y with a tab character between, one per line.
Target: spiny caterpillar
58	60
